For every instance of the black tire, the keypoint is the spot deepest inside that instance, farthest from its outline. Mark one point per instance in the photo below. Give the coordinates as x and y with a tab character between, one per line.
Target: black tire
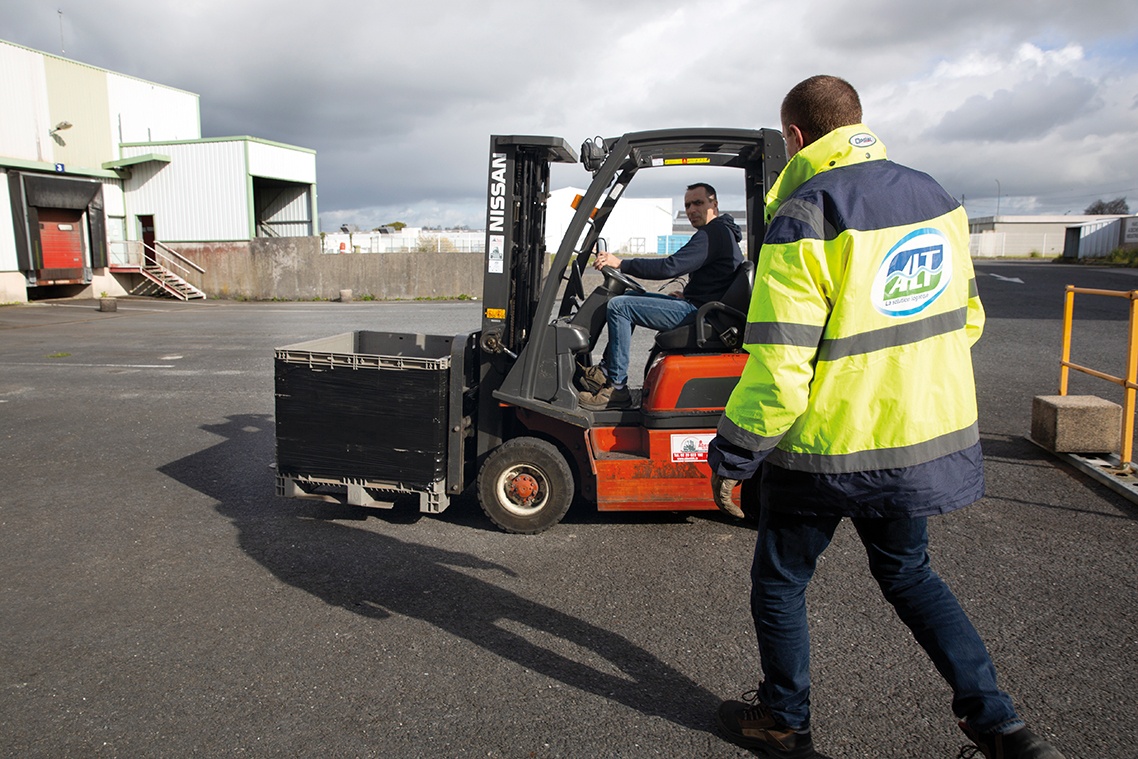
525	486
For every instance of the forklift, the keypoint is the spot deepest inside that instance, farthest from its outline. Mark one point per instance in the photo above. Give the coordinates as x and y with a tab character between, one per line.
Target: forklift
366	416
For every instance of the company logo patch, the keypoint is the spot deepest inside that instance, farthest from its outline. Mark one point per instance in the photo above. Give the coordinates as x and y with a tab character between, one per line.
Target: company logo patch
863	140
914	274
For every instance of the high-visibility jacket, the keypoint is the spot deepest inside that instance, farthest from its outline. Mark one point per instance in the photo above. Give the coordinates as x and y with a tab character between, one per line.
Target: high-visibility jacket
858	390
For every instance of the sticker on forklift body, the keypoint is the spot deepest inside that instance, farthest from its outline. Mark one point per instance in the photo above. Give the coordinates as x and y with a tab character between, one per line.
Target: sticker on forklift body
495	257
680	161
495	313
689	448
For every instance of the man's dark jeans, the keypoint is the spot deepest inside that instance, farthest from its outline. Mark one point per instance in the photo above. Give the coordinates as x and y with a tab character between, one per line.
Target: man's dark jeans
785	558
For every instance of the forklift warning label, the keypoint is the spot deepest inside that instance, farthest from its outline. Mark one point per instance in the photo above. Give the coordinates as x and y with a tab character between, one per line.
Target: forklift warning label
689	161
494	258
687	448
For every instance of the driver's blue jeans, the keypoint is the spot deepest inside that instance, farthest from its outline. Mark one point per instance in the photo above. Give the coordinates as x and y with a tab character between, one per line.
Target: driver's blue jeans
653	310
785	557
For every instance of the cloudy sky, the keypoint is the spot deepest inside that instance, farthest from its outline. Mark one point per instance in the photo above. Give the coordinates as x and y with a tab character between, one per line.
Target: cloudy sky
1031	105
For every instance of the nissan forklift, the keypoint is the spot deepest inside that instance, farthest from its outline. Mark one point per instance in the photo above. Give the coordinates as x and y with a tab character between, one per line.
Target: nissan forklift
366	416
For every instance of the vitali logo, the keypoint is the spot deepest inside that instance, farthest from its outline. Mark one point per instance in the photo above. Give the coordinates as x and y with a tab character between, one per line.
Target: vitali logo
914	273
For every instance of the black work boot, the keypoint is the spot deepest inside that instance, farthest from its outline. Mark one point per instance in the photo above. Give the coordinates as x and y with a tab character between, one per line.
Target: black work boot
751	725
1020	744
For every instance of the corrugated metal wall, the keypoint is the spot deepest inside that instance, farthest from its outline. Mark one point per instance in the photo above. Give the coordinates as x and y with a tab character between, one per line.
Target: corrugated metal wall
201	195
145	112
1099	238
285	209
78	94
8	261
26	118
280	162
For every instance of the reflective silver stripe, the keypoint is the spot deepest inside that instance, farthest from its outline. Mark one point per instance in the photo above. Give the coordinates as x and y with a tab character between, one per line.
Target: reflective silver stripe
784	333
891	337
972	291
807	213
885	458
743	438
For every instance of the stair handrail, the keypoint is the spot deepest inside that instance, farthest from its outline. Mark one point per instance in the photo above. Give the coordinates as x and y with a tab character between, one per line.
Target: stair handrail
269	231
179	256
170	262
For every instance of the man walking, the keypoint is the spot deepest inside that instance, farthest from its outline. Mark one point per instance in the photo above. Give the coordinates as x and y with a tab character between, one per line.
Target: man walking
859	395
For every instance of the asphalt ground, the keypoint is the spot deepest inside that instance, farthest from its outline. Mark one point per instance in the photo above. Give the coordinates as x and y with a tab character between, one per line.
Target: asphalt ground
157	598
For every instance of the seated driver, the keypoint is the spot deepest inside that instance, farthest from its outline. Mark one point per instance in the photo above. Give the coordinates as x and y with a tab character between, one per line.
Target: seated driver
710	257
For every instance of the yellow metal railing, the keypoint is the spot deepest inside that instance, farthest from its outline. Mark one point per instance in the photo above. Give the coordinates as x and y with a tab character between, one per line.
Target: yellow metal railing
1129	383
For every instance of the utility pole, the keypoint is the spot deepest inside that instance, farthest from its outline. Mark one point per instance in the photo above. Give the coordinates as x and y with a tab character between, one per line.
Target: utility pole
61	50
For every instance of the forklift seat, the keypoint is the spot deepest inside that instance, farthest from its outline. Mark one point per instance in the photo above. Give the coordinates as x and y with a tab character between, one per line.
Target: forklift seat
718	325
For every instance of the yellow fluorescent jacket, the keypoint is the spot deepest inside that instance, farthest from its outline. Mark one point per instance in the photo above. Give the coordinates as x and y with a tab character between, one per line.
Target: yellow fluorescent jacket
862	319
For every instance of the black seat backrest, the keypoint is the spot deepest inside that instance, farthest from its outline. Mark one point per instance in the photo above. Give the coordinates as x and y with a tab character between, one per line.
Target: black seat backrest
714	319
738	294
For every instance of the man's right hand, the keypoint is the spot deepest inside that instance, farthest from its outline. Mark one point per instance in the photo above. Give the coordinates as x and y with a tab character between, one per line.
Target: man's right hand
604	258
721	489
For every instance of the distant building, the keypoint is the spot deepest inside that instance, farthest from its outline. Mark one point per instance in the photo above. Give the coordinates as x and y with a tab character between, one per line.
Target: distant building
405	240
1082	236
633	228
100	172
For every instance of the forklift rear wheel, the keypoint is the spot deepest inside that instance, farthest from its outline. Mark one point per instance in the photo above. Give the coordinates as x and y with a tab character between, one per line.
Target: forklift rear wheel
525	486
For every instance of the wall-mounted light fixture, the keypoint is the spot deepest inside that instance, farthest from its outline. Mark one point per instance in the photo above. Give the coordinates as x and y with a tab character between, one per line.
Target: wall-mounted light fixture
54	133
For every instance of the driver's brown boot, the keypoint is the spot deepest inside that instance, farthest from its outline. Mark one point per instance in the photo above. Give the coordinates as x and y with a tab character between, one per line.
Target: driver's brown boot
605	398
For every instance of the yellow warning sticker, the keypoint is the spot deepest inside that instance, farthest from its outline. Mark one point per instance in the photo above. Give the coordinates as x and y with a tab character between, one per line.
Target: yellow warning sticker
495	313
684	161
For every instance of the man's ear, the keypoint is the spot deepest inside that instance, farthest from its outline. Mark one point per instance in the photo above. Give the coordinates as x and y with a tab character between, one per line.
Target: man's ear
795	138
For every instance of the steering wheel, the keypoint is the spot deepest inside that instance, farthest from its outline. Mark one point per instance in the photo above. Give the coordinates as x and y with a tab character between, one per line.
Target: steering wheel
624	279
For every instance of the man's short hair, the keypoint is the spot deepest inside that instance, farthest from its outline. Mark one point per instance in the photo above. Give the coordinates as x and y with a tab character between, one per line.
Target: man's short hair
708	188
821	104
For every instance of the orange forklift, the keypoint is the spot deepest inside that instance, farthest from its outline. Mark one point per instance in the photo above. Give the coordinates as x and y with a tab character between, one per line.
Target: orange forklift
364	417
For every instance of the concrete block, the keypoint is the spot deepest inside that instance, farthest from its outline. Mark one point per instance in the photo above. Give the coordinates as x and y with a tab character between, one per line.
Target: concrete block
345	296
1076	424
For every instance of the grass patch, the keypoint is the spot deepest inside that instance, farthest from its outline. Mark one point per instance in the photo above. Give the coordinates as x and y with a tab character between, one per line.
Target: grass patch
59	355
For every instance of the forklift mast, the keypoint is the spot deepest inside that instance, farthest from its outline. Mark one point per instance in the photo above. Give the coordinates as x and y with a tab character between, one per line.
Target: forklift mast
515	236
515	263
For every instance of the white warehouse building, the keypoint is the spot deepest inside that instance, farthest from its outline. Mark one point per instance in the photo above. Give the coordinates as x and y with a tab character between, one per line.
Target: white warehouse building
99	170
635	226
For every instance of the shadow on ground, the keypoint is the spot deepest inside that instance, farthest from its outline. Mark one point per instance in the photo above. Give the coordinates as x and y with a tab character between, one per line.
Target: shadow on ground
317	548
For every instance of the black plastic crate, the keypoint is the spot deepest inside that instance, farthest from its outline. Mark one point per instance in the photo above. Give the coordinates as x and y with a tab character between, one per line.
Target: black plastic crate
364	406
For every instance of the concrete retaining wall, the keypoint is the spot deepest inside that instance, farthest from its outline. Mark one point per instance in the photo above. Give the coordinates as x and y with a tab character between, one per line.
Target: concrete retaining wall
294	268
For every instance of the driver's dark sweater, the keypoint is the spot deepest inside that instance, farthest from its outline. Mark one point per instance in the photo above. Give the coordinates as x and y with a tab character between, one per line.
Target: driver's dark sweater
710	257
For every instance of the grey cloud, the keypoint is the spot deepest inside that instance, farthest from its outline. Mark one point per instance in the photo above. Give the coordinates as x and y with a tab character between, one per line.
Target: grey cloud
873	24
1032	109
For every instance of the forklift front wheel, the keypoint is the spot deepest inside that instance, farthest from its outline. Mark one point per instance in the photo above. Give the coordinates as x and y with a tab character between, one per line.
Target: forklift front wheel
525	486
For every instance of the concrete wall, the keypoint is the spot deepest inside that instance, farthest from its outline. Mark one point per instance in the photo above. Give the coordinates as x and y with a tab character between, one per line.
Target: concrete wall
294	268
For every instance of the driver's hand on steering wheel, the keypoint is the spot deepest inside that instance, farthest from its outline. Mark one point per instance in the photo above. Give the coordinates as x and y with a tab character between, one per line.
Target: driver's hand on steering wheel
604	258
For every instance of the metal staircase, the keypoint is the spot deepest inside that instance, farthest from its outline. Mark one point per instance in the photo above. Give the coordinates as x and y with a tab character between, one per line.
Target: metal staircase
158	277
160	281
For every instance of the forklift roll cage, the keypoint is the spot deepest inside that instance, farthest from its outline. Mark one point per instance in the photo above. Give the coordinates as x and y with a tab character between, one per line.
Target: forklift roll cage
527	353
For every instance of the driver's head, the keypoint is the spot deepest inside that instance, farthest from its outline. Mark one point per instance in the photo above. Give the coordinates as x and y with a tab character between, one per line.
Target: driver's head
700	204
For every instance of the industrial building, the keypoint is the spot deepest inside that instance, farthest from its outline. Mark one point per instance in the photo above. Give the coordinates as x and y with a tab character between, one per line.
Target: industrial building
104	176
1069	236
